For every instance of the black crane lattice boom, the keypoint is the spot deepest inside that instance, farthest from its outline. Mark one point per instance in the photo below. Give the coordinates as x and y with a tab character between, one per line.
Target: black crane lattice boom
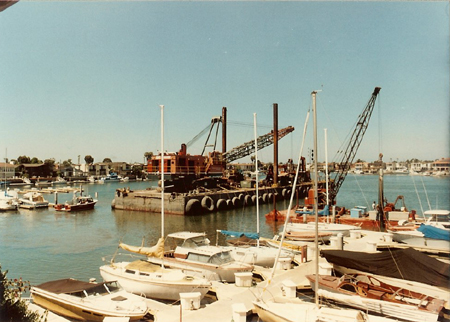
248	148
352	147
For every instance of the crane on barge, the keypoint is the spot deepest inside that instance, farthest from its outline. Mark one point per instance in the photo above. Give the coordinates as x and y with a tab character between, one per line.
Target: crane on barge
190	167
352	146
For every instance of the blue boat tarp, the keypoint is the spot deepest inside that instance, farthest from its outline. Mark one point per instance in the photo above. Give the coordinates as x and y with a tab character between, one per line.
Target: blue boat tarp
433	232
240	234
324	212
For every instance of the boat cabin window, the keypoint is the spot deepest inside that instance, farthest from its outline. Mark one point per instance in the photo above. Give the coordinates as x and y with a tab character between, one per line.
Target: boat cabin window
171	243
99	290
129	271
221	258
189	244
198	258
348	288
79	294
441	218
196	242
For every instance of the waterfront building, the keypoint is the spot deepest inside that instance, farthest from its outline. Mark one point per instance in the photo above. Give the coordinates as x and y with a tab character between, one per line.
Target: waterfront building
102	169
442	165
7	171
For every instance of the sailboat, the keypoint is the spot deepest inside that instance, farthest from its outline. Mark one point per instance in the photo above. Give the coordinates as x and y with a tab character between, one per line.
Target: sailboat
9	200
254	252
295	309
147	278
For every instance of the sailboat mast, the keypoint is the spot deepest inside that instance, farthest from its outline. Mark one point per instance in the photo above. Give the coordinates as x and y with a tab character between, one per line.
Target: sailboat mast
380	210
257	177
326	163
162	170
316	200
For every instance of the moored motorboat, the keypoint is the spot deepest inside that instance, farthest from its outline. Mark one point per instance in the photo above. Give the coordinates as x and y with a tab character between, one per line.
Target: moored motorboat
112	177
438	217
191	252
77	203
33	200
88	301
59	180
368	293
425	235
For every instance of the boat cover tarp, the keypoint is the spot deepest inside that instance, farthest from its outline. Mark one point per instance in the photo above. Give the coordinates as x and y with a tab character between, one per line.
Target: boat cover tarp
155	251
239	234
408	264
245	241
67	285
324	212
434	232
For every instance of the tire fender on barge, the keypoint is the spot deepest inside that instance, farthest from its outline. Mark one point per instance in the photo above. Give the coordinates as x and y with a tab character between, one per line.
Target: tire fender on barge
207	203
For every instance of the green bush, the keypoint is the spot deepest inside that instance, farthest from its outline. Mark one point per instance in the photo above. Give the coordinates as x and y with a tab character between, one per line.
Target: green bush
12	307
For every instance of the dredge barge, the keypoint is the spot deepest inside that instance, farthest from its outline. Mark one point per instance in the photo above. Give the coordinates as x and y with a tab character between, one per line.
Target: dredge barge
202	202
204	183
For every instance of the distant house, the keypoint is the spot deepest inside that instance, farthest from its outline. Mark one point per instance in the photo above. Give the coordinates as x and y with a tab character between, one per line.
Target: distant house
421	166
442	165
101	169
7	171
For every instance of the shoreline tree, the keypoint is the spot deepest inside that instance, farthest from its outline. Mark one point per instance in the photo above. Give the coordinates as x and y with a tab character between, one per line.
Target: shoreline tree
12	307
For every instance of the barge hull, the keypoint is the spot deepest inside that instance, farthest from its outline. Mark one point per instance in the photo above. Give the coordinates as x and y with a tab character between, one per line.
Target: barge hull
198	203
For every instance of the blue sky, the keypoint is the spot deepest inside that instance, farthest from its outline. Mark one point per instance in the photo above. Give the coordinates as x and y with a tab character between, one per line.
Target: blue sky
79	78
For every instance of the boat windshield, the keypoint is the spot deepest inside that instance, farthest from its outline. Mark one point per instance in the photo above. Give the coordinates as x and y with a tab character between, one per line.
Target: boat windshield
440	218
221	258
112	287
102	289
196	242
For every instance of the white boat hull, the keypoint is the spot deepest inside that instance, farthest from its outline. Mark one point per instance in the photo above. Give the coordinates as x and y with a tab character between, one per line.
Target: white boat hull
389	309
261	256
416	238
334	229
90	309
298	311
163	285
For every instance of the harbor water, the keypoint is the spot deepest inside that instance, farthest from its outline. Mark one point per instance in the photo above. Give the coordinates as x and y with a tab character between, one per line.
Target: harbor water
43	245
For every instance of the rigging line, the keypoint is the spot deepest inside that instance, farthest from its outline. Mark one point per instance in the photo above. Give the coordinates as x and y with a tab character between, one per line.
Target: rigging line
426	193
417	192
294	188
198	135
362	192
245	124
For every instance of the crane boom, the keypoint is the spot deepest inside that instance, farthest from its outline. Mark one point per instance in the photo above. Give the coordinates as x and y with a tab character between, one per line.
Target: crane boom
248	148
352	147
